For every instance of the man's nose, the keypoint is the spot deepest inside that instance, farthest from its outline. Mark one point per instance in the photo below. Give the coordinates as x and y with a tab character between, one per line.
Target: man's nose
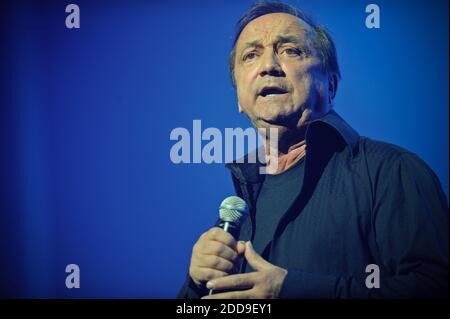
270	65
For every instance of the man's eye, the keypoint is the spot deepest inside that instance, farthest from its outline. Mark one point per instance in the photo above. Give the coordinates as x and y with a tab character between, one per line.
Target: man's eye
292	52
249	56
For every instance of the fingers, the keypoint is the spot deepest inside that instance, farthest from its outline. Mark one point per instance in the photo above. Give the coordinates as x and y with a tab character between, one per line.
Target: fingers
240	281
254	259
218	234
240	247
217	249
213	255
265	282
206	274
218	263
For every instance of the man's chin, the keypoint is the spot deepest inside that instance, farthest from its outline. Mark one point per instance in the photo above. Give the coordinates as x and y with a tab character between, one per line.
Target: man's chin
286	121
269	125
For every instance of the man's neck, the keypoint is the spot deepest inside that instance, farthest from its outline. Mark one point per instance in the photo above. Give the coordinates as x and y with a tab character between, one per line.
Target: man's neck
287	156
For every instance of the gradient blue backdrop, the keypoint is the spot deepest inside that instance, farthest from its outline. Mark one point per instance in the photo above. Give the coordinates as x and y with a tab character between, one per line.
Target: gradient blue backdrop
86	114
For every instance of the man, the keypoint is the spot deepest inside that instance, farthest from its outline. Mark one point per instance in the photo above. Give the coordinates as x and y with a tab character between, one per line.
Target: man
337	204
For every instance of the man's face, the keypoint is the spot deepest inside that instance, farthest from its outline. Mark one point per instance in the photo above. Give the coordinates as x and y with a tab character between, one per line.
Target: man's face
279	76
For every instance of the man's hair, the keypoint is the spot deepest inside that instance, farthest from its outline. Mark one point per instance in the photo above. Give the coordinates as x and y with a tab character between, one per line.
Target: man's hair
322	40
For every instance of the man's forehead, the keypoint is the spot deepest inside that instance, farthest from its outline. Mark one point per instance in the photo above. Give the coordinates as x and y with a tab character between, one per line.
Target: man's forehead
270	26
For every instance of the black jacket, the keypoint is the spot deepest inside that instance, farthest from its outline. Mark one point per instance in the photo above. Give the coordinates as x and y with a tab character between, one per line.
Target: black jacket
362	202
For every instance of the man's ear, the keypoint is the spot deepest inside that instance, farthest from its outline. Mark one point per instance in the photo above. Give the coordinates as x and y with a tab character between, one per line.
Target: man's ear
332	86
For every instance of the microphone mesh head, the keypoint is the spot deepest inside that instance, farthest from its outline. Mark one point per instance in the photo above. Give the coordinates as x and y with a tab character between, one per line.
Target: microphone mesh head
233	209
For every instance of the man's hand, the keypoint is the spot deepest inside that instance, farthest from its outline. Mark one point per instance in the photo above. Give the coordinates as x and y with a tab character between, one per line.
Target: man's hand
214	255
264	283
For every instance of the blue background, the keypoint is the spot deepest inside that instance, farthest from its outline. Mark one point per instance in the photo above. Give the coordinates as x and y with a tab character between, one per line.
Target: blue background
86	114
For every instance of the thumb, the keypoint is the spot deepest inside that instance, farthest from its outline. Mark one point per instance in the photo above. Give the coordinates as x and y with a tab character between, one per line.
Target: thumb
240	247
254	259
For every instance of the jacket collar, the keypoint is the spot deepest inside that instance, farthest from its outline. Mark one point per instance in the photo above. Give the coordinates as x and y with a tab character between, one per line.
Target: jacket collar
348	134
246	172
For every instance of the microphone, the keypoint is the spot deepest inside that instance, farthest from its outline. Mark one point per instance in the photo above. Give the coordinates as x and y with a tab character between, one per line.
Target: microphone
232	212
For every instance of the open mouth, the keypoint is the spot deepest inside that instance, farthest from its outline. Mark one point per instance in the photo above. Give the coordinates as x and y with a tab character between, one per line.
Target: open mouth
271	90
